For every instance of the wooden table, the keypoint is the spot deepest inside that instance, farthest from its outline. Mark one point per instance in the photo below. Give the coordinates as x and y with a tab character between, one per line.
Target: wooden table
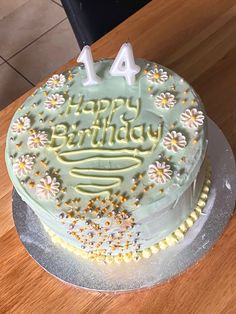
197	40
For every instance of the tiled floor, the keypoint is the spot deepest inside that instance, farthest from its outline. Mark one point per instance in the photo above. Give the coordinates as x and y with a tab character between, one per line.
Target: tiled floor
35	39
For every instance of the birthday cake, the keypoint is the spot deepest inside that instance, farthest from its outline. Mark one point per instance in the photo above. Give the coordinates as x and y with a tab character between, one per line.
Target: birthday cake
116	170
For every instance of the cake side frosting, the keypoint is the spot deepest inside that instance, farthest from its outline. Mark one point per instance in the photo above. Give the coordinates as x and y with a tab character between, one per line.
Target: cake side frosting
172	238
97	163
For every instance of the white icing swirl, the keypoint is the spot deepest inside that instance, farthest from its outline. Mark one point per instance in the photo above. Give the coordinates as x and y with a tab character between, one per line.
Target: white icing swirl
23	165
159	172
165	100
174	141
56	81
192	118
21	125
157	76
37	140
47	188
54	101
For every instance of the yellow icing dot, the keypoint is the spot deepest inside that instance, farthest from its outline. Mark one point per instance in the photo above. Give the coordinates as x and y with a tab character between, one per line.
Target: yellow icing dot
163	245
118	258
189	222
154	248
170	240
183	227
146	253
127	257
156	76
179	234
109	259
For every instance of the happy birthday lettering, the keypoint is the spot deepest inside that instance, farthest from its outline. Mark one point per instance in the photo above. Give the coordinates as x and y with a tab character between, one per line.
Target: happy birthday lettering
103	131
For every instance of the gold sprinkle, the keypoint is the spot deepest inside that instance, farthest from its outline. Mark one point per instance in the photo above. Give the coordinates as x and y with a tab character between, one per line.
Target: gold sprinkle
107	223
31	184
18	145
149	88
37	173
63	190
195	141
43	162
184	101
145	71
161	190
40	113
45	93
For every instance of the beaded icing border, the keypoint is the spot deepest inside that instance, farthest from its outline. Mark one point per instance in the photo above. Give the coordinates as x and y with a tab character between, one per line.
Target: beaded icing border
170	240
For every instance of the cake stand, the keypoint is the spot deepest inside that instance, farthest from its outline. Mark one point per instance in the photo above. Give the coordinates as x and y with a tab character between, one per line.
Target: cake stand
160	267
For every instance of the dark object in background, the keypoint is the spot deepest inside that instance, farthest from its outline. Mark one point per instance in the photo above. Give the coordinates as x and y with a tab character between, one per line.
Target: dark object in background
91	19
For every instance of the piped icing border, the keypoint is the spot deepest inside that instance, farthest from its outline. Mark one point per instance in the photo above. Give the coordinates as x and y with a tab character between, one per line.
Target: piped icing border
170	240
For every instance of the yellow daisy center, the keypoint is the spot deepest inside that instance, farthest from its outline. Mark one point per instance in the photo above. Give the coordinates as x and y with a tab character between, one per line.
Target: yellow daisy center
173	141
53	102
156	76
193	118
55	82
164	101
22	165
20	125
36	140
47	186
159	172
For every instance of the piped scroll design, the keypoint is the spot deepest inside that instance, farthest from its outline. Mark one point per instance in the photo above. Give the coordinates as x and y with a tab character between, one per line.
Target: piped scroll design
99	180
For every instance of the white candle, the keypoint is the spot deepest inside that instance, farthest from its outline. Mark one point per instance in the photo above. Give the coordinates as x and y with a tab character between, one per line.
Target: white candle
86	58
124	64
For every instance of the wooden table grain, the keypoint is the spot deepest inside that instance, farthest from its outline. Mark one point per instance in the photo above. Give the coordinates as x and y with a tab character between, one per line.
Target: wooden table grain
197	40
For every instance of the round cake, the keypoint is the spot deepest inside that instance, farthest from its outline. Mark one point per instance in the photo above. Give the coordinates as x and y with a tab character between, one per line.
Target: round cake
113	171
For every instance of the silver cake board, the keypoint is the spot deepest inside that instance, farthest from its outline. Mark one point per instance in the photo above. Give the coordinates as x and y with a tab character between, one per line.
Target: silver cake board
164	265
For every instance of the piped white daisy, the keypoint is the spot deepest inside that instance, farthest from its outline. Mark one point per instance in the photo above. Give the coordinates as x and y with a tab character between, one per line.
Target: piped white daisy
21	125
47	188
23	165
174	141
159	172
37	140
54	101
165	100
56	81
157	75
192	118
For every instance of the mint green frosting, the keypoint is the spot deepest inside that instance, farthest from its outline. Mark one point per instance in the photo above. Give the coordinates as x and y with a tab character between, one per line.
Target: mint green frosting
101	141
